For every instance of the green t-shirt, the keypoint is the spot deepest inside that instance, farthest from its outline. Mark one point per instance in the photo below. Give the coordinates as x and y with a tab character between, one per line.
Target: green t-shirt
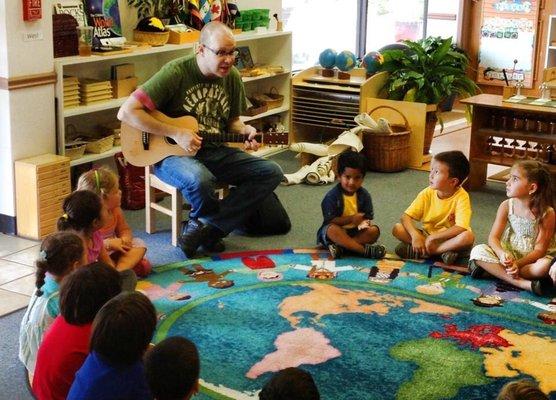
180	88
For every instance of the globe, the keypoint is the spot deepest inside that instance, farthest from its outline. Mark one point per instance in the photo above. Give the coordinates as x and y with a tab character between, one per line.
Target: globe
346	60
372	61
394	46
327	58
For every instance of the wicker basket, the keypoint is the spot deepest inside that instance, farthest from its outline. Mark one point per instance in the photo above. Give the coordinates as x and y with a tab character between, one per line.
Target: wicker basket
152	38
100	145
387	152
272	99
74	151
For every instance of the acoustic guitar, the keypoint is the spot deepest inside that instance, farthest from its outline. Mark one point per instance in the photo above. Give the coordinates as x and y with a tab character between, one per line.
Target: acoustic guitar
143	148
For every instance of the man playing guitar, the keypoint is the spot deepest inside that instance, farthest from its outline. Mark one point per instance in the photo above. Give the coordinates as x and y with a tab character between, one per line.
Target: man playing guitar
208	87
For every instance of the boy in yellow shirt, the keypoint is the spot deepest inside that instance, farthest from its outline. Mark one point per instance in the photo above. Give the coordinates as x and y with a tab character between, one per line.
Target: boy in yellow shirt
444	210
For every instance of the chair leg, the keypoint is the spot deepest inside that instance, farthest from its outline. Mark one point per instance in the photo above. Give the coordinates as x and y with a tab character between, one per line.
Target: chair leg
150	222
177	215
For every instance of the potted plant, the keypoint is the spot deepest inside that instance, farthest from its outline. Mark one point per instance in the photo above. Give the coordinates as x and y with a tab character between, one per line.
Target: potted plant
162	9
427	71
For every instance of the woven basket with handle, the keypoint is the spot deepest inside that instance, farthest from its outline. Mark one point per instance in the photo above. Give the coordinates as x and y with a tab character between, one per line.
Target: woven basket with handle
387	152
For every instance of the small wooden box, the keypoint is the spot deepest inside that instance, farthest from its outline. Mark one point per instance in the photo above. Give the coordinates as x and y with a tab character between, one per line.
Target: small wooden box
123	87
177	37
41	185
122	71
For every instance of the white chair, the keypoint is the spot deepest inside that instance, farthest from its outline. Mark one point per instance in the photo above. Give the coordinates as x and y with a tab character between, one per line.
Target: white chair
176	205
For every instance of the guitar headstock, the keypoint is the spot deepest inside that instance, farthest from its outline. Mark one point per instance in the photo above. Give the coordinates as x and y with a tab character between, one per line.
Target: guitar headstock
275	138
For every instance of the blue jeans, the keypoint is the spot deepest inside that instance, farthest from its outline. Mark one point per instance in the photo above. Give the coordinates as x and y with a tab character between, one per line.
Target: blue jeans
196	177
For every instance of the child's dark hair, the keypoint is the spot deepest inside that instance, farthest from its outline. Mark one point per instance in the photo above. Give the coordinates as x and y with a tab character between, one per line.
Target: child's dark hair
172	368
86	290
352	159
458	164
59	252
81	208
523	389
290	383
123	328
541	199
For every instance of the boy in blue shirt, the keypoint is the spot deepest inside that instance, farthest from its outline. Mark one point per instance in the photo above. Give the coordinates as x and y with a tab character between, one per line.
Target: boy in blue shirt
347	210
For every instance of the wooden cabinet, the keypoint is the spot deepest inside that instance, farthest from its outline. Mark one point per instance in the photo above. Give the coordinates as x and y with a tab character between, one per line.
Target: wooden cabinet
273	48
503	132
322	107
42	183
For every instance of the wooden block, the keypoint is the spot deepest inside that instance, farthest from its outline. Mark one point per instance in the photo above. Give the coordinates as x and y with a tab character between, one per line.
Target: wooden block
123	87
122	71
87	85
96	100
177	37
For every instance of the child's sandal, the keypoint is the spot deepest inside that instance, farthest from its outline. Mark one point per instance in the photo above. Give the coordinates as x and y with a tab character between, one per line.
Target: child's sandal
335	251
475	271
542	287
374	250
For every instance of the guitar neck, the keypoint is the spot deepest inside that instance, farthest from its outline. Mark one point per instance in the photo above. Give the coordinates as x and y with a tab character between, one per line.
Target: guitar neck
226	137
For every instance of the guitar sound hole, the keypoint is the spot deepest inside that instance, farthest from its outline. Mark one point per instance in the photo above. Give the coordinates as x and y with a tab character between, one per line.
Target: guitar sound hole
170	141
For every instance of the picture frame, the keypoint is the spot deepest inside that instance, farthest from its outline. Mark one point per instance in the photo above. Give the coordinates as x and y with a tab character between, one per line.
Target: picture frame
244	59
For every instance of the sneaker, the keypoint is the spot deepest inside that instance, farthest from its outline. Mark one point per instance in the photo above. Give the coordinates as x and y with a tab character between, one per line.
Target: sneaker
542	287
405	251
449	257
335	251
191	237
475	271
211	239
374	250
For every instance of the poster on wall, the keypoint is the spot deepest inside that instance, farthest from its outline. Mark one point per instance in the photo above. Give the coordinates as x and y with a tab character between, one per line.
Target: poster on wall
507	43
104	17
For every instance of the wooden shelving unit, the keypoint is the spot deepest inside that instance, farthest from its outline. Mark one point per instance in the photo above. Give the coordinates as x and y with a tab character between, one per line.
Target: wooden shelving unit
271	48
496	140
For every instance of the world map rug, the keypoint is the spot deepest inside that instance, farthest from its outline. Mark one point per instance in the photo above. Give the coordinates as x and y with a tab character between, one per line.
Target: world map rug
365	329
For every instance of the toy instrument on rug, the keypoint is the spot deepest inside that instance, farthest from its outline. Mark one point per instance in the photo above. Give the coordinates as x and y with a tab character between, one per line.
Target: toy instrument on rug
142	149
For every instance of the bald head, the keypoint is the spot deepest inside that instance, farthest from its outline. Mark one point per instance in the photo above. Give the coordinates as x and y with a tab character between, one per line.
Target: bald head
214	31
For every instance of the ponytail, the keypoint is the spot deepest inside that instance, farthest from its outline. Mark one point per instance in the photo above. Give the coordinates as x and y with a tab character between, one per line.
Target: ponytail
81	209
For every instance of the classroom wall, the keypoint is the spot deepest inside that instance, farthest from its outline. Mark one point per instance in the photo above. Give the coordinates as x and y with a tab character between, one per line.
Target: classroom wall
27	125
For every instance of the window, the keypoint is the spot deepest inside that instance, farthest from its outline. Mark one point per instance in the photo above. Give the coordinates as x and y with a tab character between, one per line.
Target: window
321	24
318	25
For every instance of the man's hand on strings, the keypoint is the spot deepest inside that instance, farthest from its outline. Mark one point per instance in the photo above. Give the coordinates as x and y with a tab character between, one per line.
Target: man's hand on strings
188	140
251	133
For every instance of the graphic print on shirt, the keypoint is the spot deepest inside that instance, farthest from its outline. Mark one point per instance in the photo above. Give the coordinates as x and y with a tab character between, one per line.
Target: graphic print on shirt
210	105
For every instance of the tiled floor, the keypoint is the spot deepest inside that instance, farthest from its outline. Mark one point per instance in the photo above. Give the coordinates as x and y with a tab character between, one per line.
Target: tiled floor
17	273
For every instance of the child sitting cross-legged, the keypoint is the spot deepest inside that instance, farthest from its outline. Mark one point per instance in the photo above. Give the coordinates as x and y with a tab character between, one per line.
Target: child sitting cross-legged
59	255
122	331
347	210
521	244
172	369
85	214
443	209
66	344
126	251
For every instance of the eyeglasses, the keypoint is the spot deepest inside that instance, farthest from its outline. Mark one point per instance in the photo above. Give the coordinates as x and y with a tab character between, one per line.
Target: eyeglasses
223	54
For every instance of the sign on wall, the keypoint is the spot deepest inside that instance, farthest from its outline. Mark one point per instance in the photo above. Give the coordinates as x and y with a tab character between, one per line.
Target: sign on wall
507	43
